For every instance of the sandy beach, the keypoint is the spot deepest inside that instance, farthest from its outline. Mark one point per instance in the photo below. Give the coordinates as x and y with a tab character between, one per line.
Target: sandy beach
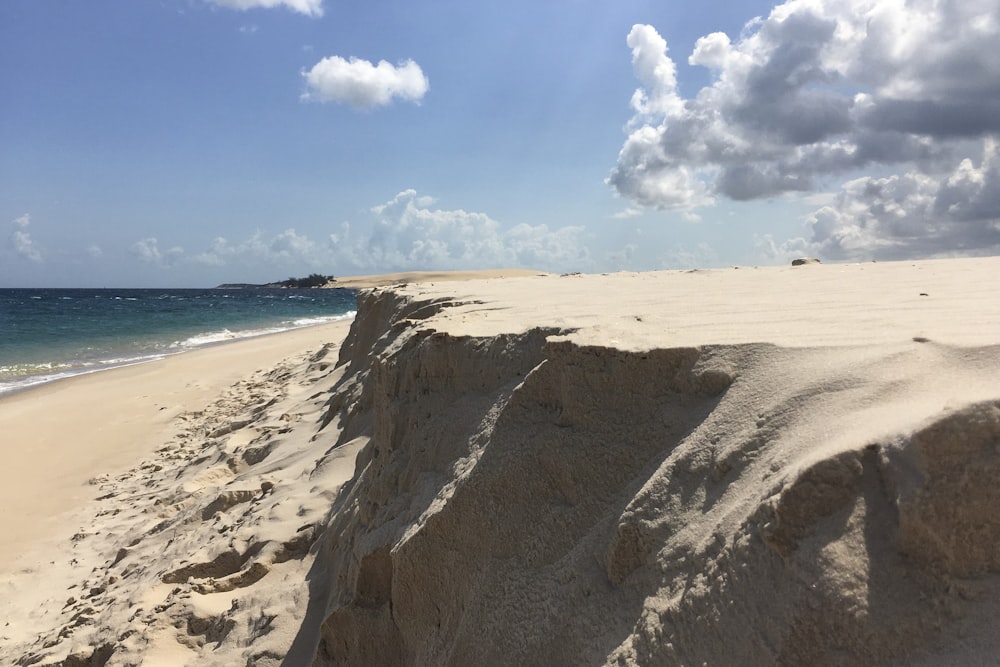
107	422
782	465
101	435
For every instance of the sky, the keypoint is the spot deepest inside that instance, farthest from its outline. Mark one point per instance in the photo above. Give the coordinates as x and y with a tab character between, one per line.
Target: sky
187	143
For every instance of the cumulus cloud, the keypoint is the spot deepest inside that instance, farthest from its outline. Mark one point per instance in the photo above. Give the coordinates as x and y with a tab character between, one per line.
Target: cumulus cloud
822	89
409	233
914	214
307	7
361	84
148	250
287	248
21	241
655	71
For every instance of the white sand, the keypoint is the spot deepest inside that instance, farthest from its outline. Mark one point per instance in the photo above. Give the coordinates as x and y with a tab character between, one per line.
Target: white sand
743	466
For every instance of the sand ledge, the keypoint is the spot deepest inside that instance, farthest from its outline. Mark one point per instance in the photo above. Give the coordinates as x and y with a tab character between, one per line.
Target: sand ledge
506	474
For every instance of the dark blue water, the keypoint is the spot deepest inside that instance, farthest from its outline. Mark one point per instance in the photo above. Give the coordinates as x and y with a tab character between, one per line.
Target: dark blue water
46	334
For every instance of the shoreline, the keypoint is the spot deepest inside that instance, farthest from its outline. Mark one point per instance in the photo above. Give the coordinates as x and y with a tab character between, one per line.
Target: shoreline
59	332
116	416
18	384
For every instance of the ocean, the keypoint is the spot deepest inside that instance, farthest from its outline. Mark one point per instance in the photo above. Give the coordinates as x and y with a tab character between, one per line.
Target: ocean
48	334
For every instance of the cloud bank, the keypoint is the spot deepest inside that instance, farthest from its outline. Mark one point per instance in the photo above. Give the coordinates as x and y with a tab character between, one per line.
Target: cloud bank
287	248
821	89
404	233
363	85
307	7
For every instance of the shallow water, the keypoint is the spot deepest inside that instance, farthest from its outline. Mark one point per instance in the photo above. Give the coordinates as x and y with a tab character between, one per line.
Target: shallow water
47	334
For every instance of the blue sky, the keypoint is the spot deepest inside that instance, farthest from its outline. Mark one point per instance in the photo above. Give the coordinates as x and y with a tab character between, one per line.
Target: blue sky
193	142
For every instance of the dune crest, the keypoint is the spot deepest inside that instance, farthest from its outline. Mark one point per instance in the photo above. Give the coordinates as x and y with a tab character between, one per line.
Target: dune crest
536	500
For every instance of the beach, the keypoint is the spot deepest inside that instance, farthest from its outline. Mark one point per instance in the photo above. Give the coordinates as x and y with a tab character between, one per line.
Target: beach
70	442
74	430
774	465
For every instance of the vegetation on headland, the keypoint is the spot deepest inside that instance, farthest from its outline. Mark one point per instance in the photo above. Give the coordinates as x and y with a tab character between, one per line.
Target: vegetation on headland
312	280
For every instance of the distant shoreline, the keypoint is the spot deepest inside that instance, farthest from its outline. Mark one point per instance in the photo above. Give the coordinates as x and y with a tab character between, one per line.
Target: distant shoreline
385	279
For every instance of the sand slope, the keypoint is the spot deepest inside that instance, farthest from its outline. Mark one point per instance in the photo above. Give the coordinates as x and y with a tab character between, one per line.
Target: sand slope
745	466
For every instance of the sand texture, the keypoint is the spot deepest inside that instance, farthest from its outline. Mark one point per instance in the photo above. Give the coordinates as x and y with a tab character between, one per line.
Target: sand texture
777	466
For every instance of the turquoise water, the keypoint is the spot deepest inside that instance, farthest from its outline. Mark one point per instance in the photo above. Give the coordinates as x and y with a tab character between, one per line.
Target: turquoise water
47	334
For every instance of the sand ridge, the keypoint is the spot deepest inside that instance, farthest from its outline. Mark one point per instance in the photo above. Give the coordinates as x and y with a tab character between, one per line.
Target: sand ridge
946	301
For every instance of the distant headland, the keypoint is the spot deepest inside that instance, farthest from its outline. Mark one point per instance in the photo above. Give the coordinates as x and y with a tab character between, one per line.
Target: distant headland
312	280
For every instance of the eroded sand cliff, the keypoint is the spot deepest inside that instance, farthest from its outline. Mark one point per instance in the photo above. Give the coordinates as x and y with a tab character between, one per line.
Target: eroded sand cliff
529	498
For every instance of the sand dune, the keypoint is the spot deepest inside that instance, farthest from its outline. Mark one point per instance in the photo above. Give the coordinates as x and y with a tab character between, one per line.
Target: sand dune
743	466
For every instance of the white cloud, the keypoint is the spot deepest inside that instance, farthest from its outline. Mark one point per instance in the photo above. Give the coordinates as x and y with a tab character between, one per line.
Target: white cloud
148	250
818	89
21	241
363	85
408	233
647	175
307	7
284	250
628	212
95	251
655	71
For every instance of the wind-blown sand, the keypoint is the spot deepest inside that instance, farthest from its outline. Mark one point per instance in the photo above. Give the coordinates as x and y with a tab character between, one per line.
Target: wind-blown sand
742	466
